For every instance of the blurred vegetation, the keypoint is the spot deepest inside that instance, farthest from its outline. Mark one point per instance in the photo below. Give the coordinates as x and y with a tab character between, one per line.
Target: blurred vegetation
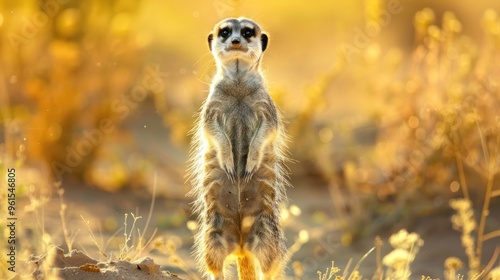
435	132
394	130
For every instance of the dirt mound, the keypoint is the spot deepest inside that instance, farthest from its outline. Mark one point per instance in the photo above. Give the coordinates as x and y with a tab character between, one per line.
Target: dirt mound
76	265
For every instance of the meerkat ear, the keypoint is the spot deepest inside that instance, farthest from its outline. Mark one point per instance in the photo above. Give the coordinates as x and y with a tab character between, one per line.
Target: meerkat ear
210	38
264	39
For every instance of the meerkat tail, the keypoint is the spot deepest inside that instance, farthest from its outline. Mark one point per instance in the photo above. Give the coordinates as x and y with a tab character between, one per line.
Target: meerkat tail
246	267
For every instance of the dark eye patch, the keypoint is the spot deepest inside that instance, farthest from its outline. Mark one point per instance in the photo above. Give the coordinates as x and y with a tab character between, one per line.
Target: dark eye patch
247	32
224	32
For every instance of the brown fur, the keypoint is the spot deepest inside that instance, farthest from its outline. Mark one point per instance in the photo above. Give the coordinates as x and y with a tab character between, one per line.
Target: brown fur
237	166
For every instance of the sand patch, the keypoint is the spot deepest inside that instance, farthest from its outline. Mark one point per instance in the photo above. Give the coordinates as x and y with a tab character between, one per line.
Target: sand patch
76	265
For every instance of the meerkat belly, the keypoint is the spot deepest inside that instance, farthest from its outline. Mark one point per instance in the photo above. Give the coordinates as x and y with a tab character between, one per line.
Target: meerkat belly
250	196
241	123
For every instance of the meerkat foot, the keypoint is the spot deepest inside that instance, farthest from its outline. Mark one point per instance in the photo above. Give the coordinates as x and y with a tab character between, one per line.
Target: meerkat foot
212	277
215	267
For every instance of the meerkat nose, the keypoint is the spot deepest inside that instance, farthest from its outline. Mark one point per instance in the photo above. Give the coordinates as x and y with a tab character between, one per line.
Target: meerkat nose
235	41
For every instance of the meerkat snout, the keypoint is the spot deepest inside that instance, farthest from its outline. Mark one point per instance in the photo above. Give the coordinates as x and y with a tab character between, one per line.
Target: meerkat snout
235	42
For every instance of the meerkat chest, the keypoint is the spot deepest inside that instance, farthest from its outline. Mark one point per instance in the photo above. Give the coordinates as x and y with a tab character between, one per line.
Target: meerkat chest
240	116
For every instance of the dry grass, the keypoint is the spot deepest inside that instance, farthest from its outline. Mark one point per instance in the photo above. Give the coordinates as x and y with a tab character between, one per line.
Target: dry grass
133	246
397	263
440	134
436	134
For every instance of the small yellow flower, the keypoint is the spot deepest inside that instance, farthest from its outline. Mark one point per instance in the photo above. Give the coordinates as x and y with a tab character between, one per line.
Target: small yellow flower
303	236
396	258
494	274
298	269
453	263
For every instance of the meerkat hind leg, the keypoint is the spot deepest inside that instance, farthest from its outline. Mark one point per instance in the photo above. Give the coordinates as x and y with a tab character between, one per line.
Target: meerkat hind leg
222	230
215	263
216	248
271	249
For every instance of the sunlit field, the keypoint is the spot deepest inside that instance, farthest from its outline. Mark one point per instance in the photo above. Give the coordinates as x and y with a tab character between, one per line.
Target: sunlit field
392	108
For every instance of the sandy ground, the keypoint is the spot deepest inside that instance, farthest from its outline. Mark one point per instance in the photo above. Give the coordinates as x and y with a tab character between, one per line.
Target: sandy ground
78	266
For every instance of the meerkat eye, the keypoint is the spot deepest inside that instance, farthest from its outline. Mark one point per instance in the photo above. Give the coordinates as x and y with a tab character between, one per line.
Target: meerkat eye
225	32
247	32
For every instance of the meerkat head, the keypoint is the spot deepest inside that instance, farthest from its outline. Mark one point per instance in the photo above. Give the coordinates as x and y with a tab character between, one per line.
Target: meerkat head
237	39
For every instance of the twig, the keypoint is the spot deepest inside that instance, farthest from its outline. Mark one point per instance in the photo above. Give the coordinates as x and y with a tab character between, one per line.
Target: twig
346	269
69	239
378	246
491	235
493	259
461	175
360	261
483	144
140	249
495	193
92	237
152	206
484	212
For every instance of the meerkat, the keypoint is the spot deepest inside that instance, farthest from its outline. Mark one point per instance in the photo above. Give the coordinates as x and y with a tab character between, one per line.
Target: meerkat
238	159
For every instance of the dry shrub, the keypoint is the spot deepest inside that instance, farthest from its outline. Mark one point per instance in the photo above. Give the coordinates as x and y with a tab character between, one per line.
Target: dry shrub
434	125
71	80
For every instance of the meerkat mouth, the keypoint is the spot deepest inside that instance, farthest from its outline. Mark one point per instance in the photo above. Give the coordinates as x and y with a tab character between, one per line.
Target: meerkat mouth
237	49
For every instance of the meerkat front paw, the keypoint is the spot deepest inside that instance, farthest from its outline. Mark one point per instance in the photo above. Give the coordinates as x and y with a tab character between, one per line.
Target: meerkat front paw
227	164
253	163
